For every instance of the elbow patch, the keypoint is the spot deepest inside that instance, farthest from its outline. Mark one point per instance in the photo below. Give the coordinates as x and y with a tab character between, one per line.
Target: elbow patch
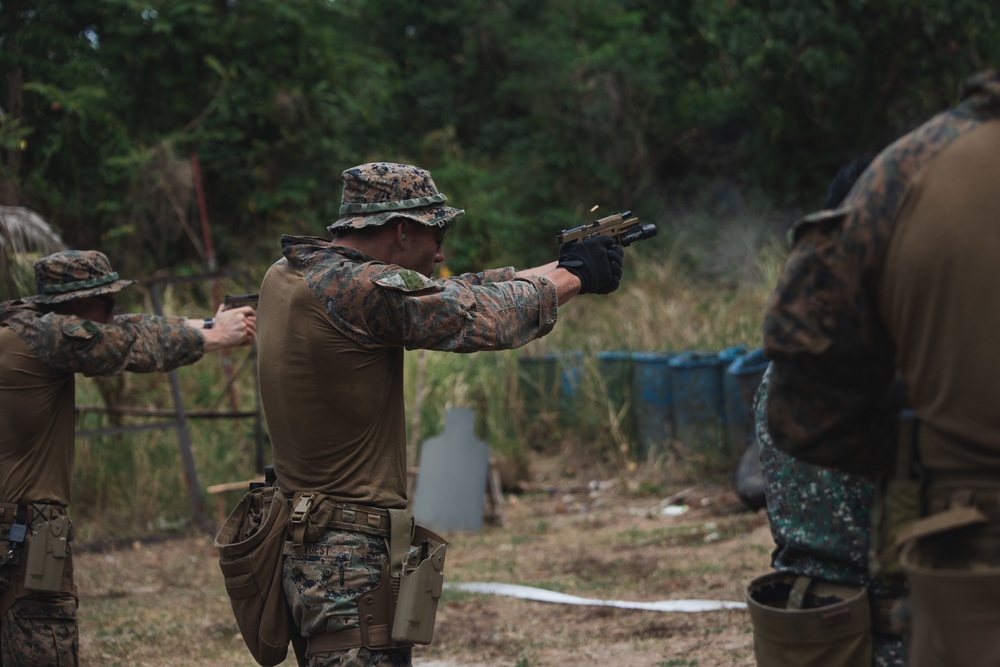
81	331
406	280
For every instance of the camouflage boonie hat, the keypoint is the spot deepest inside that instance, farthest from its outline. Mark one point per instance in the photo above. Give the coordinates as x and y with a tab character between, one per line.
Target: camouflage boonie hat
376	192
74	274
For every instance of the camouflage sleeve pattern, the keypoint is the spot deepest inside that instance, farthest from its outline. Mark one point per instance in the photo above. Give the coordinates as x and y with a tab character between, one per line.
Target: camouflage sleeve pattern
488	276
830	389
384	305
139	343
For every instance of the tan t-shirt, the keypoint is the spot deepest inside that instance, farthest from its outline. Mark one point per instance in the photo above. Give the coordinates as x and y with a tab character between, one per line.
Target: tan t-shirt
940	301
36	425
39	356
899	283
334	409
332	325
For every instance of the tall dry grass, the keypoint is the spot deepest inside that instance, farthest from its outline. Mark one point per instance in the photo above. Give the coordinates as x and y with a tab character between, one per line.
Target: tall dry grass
675	297
681	291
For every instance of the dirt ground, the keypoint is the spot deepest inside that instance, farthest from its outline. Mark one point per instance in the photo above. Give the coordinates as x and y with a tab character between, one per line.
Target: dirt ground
164	603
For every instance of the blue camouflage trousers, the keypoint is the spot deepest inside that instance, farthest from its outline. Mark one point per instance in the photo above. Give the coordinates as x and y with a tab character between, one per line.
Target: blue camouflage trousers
322	586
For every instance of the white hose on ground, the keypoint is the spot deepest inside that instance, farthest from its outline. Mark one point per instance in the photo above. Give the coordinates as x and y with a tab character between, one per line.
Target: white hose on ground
542	595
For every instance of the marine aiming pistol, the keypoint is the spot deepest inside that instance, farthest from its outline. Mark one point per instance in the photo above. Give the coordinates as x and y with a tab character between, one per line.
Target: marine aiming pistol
237	300
622	228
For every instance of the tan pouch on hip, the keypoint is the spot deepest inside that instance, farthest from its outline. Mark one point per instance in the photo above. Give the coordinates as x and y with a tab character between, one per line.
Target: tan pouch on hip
806	622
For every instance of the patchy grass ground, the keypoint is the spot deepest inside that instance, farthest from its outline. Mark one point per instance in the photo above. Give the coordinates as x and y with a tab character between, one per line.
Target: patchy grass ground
164	604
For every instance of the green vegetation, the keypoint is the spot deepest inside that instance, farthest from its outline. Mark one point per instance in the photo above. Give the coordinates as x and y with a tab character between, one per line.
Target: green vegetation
528	113
134	483
718	121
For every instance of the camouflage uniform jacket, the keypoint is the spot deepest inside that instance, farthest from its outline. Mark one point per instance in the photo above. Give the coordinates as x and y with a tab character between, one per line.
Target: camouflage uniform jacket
332	327
39	356
379	304
832	399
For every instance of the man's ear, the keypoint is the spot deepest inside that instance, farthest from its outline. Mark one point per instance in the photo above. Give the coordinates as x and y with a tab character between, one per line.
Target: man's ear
401	228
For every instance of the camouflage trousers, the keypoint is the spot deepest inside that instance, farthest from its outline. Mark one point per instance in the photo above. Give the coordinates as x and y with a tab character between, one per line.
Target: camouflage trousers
39	629
322	586
888	651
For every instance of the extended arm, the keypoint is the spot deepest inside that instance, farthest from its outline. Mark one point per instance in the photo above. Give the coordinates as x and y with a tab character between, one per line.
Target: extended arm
567	285
234	327
590	266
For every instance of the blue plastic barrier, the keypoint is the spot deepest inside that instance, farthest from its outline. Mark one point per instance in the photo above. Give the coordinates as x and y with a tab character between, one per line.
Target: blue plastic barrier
696	386
616	373
727	357
741	380
652	402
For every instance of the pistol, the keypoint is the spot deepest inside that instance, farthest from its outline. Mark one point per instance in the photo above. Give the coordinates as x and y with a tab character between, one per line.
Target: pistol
237	300
623	229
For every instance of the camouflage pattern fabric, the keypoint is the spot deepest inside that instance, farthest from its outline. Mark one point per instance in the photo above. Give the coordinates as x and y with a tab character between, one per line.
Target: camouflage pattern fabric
831	397
38	630
377	192
363	309
322	587
41	354
819	520
381	305
136	343
74	274
362	657
36	456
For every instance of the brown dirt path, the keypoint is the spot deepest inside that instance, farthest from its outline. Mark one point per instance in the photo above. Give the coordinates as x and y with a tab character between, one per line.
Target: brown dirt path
164	604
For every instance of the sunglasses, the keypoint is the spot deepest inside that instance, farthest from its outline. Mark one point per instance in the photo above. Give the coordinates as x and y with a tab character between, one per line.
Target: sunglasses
441	232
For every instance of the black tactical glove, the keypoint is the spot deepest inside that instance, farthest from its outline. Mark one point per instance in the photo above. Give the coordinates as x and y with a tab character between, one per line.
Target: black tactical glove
596	261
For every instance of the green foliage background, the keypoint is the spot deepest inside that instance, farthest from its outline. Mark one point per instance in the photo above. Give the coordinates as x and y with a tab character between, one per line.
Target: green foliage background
719	120
528	112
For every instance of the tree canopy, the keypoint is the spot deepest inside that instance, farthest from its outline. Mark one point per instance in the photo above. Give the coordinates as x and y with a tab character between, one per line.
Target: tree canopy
527	113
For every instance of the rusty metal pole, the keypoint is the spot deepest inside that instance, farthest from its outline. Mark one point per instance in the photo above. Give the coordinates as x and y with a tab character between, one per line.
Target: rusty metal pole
206	236
195	499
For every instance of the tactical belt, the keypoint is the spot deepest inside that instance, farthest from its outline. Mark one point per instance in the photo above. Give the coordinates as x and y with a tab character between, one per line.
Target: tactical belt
947	491
312	513
8	511
327	642
373	520
377	608
345	516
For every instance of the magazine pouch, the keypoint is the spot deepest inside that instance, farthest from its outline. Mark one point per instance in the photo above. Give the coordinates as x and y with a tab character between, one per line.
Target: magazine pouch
250	545
801	621
954	578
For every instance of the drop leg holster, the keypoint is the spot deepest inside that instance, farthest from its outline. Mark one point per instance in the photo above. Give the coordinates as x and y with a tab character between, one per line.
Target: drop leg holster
400	611
40	555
